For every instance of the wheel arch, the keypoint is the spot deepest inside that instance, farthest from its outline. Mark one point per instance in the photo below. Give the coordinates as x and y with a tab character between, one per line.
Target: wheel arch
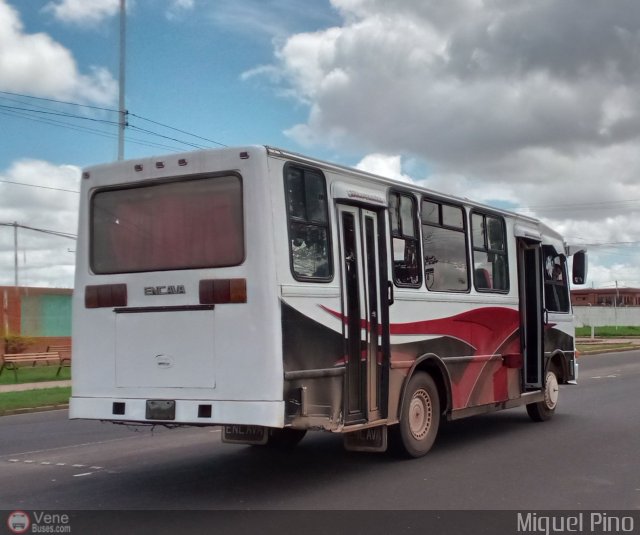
558	360
435	367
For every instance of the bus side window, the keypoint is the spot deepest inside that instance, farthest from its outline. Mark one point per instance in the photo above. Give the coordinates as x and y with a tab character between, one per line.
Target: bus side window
489	241
308	222
404	236
556	289
445	247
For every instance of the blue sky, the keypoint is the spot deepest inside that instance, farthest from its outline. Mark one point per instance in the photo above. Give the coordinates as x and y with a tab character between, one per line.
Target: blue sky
530	106
184	70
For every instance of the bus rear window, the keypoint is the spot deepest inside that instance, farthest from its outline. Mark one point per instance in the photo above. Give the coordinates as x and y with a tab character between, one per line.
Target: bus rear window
176	225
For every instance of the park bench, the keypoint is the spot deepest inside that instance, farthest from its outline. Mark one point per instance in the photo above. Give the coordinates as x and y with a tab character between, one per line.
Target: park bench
64	351
12	361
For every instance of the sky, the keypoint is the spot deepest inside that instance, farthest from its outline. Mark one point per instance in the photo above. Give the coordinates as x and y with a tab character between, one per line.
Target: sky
530	106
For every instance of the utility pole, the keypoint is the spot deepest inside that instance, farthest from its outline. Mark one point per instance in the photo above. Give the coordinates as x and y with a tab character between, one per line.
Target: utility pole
15	252
15	226
616	309
122	112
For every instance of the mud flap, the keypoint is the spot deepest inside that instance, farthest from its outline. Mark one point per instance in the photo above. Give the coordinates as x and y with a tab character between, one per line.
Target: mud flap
371	439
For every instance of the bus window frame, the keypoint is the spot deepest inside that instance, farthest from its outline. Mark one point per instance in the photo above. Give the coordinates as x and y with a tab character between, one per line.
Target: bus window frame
329	225
485	249
464	231
549	282
156	182
418	237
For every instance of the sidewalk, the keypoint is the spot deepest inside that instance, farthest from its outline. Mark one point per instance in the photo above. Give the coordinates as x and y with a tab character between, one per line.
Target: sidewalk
33	386
608	340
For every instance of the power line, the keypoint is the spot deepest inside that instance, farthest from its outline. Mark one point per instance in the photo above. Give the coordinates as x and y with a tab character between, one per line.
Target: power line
112	110
102	121
59	114
59	101
43	230
79	128
36	186
610	244
150	132
178	130
593	204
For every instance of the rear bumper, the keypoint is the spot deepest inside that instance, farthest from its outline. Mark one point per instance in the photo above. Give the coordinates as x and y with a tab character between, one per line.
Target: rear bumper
187	411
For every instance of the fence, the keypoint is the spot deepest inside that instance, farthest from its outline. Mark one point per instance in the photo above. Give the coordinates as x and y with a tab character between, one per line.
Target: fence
598	316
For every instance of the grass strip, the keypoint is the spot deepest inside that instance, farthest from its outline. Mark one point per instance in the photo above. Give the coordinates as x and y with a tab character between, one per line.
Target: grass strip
34	398
39	374
609	331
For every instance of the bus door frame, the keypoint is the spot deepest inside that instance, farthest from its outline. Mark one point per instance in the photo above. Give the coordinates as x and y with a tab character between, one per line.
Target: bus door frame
530	285
365	301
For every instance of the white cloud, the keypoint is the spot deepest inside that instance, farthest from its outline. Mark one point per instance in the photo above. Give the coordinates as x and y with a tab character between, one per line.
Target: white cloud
177	8
531	104
44	260
89	12
38	65
384	165
470	82
270	19
93	12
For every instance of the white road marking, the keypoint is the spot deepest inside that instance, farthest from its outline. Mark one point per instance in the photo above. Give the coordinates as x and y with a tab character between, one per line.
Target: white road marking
78	445
51	463
82	475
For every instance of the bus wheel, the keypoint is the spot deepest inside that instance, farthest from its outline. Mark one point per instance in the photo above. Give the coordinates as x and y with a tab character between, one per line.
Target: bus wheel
285	438
543	410
420	418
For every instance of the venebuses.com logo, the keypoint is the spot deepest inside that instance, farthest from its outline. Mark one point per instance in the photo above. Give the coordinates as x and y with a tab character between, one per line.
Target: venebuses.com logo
18	522
38	522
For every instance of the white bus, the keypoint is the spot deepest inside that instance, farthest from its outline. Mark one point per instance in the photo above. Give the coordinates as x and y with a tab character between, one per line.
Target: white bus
272	293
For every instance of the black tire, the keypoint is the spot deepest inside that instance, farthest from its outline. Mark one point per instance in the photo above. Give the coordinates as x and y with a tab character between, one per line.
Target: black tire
285	438
543	410
418	427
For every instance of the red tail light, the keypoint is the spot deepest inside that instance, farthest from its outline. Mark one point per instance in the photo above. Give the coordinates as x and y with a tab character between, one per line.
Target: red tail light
105	295
220	291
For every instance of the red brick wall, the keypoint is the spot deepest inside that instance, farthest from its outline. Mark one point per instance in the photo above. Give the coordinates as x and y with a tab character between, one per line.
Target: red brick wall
10	319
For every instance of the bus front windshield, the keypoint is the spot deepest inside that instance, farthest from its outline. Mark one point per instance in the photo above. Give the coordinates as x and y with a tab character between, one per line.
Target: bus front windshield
184	224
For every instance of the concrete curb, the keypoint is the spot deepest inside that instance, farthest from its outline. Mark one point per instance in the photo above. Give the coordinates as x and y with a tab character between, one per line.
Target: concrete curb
612	350
45	408
24	387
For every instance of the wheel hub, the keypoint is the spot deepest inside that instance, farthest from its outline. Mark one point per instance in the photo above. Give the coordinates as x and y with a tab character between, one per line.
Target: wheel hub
420	414
551	390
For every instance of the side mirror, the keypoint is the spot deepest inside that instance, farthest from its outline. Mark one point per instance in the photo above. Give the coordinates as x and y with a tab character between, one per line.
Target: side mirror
579	274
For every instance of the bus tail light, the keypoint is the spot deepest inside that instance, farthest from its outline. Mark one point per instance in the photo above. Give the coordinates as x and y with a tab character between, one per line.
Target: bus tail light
220	291
105	295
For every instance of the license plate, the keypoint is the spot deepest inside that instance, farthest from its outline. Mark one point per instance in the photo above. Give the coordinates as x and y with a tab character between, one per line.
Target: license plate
245	434
371	439
161	409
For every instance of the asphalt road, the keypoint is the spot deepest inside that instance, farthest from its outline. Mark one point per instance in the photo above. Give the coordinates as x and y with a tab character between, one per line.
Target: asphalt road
586	457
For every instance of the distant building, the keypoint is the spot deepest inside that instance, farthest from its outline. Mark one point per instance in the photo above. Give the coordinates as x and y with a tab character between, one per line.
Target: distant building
622	297
41	314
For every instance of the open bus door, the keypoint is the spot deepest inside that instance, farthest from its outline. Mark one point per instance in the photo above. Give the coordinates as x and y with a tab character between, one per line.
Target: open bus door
365	306
531	311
